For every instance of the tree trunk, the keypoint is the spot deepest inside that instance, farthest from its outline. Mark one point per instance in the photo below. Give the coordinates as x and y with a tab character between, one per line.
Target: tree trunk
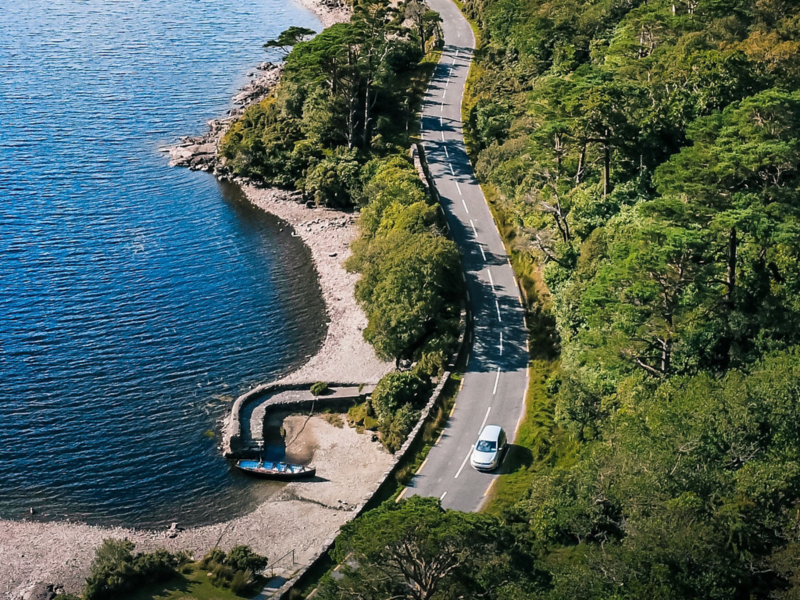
606	167
581	167
367	118
731	280
666	356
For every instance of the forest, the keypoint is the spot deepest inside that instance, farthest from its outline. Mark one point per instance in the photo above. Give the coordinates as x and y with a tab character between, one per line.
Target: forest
642	157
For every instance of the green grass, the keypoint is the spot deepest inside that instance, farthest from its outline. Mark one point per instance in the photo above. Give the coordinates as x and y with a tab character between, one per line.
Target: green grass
193	585
540	444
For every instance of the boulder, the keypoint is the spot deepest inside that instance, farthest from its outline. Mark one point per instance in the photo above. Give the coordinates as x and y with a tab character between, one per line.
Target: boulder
40	591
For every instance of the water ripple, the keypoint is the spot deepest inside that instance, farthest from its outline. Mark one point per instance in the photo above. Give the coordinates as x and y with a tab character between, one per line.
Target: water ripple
135	300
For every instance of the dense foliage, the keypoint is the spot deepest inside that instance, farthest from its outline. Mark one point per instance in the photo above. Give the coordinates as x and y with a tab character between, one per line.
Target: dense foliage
409	287
116	570
236	569
343	99
337	128
646	155
410	283
414	550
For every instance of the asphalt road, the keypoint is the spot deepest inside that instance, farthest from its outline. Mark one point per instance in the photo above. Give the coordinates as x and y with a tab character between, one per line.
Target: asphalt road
496	375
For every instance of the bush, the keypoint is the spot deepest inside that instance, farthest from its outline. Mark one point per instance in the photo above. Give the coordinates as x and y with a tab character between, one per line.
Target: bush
116	570
215	556
394	391
334	179
319	388
221	575
234	570
242	558
358	413
395	429
241	582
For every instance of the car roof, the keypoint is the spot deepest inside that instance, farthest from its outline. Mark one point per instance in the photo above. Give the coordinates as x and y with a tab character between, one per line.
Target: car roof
490	433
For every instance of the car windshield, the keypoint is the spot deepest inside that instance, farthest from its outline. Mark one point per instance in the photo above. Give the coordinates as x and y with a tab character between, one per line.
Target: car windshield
486	446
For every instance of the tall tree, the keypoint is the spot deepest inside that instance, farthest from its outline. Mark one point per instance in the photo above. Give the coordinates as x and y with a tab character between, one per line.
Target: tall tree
289	38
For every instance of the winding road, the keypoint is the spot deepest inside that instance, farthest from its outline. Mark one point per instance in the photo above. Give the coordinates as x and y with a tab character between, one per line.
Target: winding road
496	375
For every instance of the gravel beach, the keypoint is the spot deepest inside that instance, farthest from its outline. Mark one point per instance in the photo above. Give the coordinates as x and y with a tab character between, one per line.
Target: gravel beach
345	356
299	517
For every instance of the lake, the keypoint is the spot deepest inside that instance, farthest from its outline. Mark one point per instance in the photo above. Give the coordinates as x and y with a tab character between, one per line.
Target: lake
136	300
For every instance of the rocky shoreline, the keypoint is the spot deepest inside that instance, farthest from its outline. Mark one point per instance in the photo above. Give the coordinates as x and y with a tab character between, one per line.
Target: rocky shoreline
199	153
301	517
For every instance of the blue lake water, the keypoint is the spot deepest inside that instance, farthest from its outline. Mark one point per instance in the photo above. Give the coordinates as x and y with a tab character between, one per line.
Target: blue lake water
135	300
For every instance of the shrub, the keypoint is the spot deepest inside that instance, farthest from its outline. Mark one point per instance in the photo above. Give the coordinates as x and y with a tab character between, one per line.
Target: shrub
221	575
334	419
242	558
393	391
319	388
116	570
215	556
395	429
241	581
357	414
334	179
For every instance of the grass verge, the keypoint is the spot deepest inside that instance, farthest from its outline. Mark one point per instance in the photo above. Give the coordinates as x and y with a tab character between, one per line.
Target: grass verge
191	584
540	444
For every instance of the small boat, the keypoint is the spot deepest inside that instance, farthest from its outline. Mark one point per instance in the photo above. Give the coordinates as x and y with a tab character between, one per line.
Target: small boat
275	470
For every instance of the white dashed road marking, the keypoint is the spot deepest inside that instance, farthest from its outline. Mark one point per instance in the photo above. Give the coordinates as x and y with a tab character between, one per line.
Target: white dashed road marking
497	305
496	379
484	420
466	458
491	280
465	205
